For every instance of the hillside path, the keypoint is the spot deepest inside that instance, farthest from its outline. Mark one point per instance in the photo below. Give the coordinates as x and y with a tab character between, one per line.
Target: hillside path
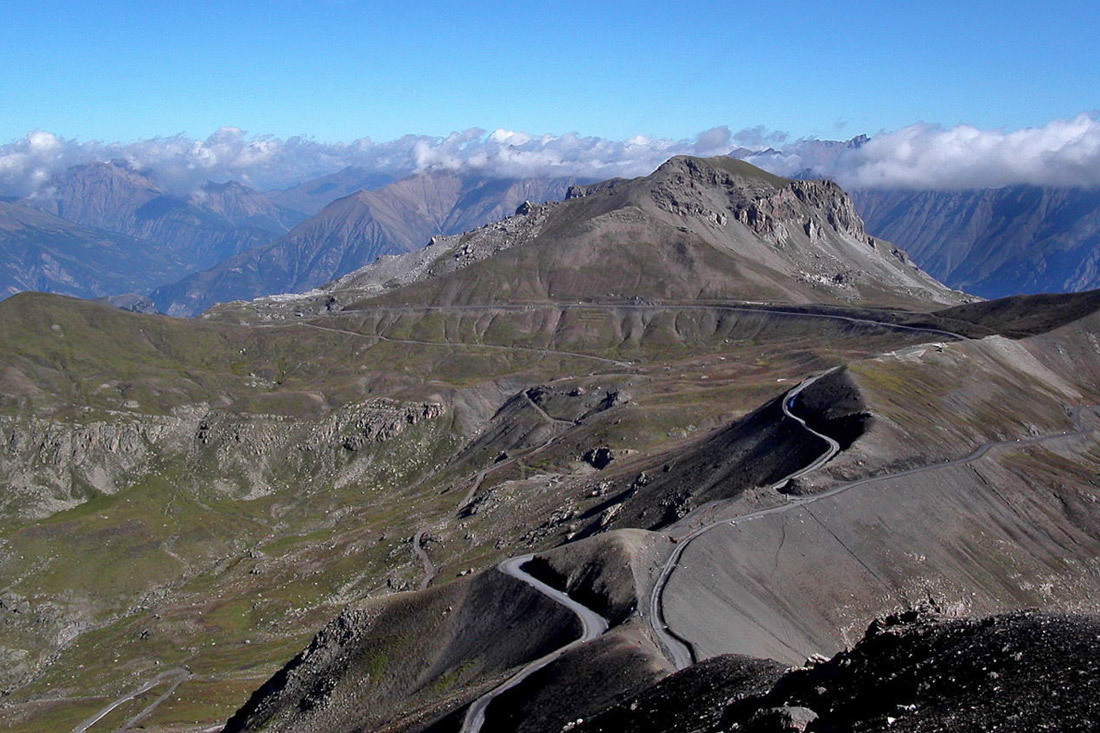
429	566
678	649
592	625
181	673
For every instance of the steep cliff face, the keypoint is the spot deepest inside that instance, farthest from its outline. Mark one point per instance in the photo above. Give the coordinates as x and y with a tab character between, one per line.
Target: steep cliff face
812	229
995	242
48	466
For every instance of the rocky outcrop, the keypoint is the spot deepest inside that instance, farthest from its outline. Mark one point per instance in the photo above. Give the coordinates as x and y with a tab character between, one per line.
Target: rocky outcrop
50	465
47	465
917	672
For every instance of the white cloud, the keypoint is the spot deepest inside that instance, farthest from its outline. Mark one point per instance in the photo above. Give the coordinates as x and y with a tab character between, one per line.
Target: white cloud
922	156
1063	152
714	141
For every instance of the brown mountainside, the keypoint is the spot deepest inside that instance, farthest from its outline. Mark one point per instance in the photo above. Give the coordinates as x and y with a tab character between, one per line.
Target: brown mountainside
695	228
354	231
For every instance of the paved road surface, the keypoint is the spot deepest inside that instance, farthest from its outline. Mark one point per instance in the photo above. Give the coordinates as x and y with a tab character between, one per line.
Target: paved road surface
678	650
592	624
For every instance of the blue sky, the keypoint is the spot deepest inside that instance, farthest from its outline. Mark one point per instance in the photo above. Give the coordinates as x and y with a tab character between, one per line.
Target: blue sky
345	69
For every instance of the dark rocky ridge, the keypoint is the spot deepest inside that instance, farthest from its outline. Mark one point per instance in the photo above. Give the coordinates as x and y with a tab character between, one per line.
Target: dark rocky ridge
346	678
918	673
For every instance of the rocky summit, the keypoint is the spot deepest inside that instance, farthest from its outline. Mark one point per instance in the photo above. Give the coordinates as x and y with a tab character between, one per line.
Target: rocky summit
684	452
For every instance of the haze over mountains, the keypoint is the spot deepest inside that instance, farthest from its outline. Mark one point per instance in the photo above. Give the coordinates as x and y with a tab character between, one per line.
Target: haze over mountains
39	251
995	242
203	227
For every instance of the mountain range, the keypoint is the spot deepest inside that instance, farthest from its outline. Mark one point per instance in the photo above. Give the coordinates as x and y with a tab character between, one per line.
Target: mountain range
202	227
311	196
354	231
690	451
183	252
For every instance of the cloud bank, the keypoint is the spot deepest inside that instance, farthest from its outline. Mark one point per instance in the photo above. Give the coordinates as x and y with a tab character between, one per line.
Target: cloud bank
183	164
922	156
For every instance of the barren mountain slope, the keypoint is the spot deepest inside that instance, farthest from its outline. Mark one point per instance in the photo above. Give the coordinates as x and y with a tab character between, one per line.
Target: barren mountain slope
993	509
914	672
355	230
206	494
40	251
694	229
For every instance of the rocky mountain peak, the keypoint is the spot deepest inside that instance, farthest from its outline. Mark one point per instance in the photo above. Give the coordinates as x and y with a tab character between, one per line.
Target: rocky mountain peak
93	193
718	171
720	190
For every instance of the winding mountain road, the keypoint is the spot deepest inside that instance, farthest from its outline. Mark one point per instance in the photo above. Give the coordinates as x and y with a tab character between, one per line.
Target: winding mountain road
678	649
592	625
479	478
180	673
